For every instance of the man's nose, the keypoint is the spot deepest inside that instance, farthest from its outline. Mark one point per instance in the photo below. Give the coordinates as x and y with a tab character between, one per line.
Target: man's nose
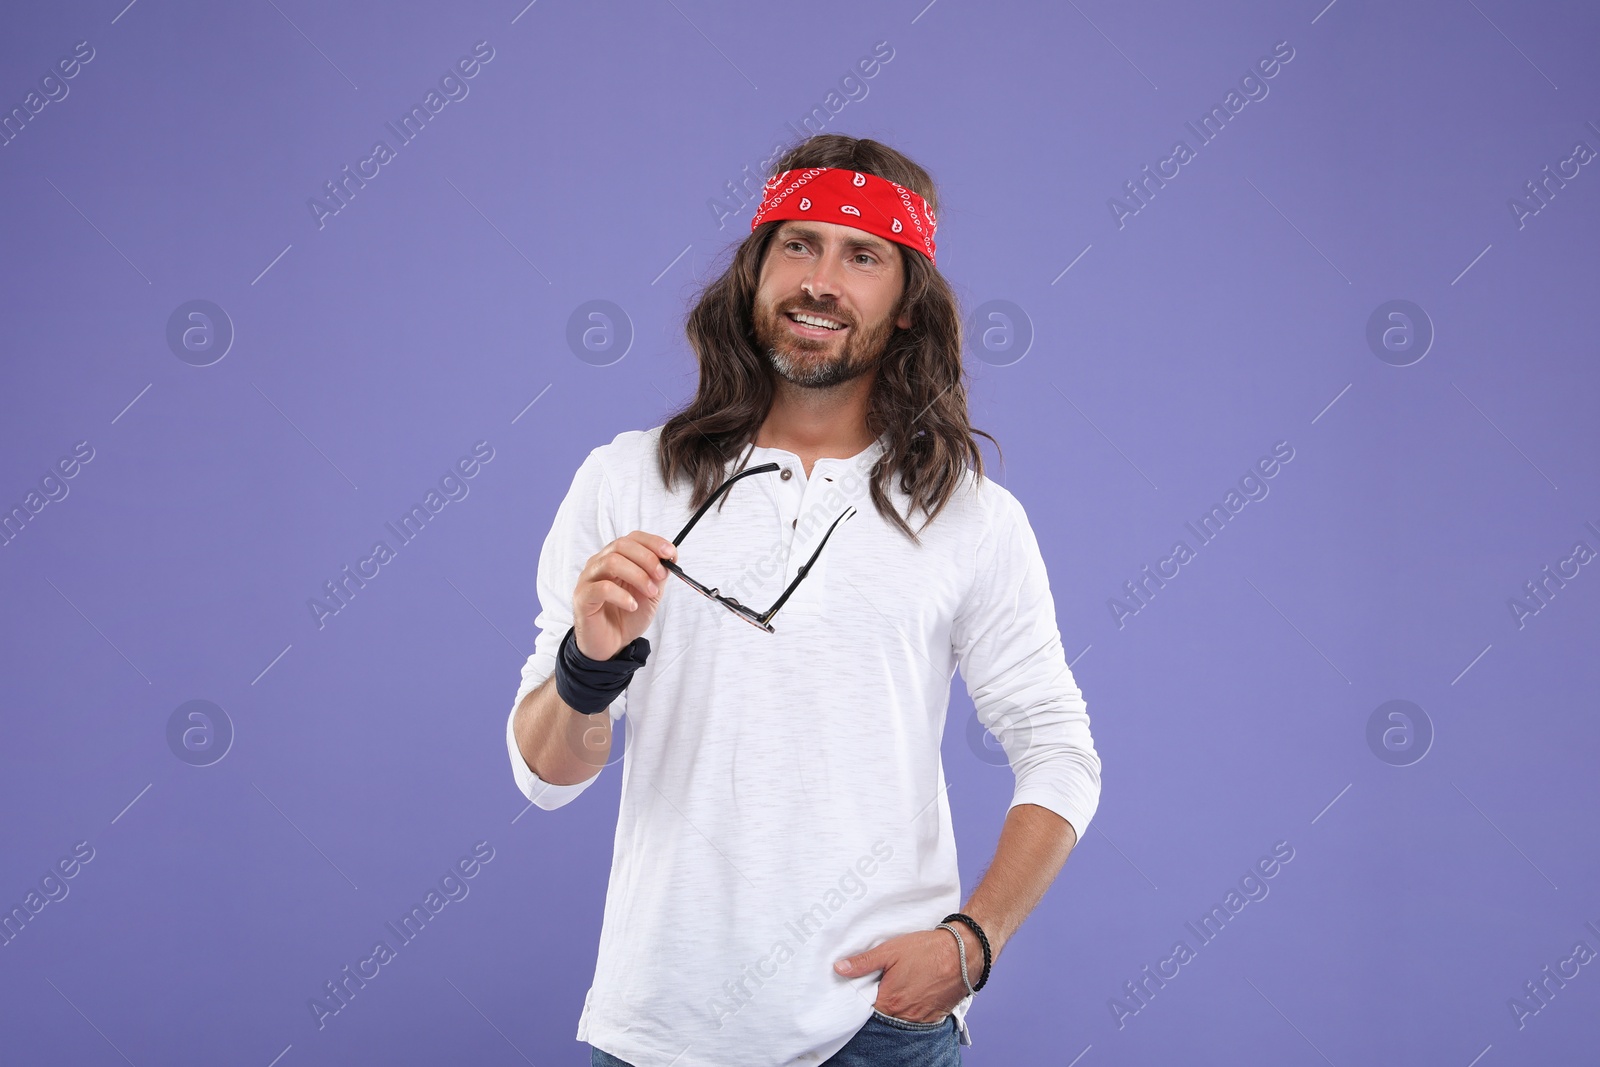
822	281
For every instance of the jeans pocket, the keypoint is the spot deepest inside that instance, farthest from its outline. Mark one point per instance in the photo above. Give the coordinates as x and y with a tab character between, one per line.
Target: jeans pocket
907	1024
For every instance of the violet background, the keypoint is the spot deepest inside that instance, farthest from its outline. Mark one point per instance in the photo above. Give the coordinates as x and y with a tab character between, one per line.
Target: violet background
370	354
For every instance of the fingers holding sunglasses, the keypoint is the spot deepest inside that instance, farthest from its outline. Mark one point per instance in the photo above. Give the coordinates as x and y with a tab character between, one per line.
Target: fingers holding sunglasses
616	595
647	550
631	579
636	567
606	617
634	561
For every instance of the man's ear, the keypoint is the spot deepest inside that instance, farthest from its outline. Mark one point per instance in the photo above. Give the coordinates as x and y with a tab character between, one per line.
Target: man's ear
904	321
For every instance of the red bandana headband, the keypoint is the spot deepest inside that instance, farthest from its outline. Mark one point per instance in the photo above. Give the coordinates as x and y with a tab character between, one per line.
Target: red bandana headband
850	198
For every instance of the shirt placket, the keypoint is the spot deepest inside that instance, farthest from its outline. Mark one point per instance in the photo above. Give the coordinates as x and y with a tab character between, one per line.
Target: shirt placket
795	496
819	514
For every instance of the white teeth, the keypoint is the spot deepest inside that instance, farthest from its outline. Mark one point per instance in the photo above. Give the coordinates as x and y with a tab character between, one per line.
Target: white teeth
812	320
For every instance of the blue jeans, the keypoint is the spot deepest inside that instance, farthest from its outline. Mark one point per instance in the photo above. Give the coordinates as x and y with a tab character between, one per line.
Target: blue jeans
882	1042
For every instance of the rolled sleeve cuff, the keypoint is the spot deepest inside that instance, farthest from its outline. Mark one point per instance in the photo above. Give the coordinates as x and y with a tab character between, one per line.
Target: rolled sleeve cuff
1061	798
545	794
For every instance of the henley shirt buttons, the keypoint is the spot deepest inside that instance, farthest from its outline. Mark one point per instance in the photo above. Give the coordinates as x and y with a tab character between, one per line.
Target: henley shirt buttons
787	474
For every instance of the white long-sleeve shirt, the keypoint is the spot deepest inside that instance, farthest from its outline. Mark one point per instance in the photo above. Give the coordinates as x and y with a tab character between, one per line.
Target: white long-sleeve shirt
783	797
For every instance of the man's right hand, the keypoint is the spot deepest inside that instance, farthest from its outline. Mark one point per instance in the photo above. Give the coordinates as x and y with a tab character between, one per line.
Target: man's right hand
618	592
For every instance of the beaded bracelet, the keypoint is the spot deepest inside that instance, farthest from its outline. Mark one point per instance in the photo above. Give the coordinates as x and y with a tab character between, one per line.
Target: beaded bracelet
961	946
988	954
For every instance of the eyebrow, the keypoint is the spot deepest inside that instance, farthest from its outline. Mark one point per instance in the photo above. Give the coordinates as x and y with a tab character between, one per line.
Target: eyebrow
864	241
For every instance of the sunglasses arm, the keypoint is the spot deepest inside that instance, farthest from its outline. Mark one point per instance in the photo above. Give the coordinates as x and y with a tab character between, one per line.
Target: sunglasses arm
806	567
712	499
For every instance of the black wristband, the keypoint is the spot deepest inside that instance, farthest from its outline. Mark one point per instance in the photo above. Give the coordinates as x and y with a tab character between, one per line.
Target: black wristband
988	956
590	685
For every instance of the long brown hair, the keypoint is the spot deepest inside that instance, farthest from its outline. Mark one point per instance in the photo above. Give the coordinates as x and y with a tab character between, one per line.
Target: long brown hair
919	396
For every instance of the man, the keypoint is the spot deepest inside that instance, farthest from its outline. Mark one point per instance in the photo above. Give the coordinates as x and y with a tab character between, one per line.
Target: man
784	853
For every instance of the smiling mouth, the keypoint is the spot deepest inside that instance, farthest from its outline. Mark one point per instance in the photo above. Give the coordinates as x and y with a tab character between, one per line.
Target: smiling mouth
818	324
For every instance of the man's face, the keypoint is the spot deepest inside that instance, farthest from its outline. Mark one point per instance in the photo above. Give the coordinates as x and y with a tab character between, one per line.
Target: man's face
847	276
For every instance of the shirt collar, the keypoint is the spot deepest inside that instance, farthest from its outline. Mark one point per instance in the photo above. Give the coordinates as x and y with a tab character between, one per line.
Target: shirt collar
865	458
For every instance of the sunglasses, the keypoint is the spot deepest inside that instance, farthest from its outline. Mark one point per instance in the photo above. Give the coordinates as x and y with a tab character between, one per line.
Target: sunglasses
762	620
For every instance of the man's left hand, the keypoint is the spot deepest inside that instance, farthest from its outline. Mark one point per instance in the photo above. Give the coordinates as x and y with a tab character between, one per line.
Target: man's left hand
921	975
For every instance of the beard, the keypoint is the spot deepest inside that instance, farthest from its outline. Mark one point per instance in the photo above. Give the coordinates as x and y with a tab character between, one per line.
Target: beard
819	362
